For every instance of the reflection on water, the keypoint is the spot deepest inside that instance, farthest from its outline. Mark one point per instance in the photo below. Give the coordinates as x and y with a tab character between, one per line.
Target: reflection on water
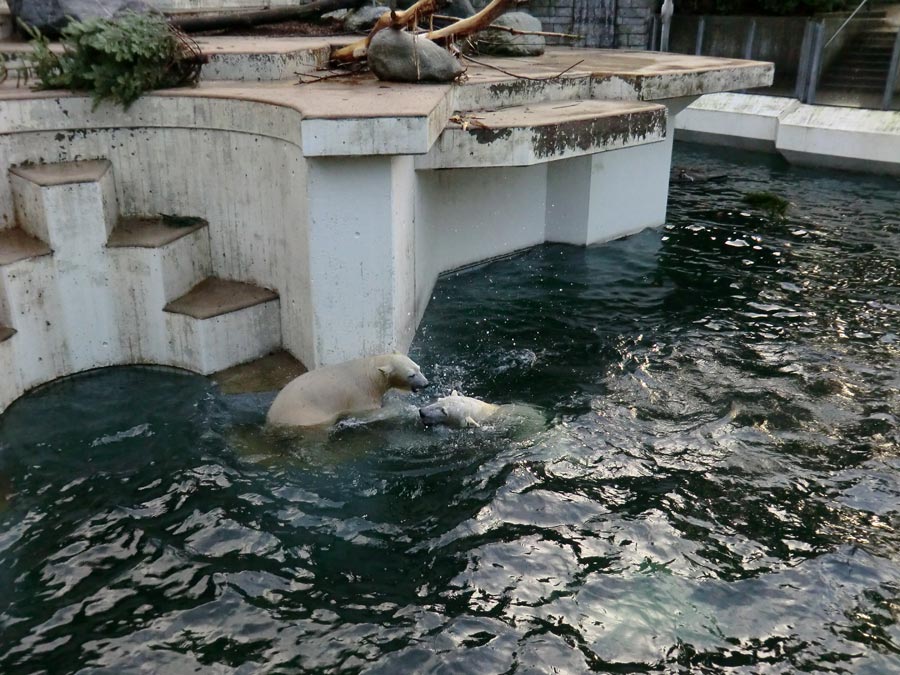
716	488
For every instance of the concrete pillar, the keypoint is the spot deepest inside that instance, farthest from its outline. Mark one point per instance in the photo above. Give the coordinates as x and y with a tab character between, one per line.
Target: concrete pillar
361	256
611	194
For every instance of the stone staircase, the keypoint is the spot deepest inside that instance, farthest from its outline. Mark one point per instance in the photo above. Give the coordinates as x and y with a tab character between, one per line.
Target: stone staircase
82	286
863	66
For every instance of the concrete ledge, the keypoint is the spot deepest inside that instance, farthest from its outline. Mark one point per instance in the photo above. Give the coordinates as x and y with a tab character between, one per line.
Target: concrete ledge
855	139
535	134
148	232
16	244
259	60
63	173
213	297
743	121
843	138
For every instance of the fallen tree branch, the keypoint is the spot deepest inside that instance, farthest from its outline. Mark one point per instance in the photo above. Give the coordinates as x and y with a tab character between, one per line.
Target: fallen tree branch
356	51
474	23
218	21
515	31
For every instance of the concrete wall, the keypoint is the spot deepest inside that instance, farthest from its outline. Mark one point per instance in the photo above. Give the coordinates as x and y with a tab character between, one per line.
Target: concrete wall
633	23
248	181
603	23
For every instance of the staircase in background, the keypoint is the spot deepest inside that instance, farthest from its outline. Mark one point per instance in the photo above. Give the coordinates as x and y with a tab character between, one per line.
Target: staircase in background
863	66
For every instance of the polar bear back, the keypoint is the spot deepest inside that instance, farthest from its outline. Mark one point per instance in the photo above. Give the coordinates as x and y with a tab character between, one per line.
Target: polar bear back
323	395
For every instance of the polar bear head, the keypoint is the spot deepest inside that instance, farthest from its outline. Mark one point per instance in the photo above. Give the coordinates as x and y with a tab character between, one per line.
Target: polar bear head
457	411
401	372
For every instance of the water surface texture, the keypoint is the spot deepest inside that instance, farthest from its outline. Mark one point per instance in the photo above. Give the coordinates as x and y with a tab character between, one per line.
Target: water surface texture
716	488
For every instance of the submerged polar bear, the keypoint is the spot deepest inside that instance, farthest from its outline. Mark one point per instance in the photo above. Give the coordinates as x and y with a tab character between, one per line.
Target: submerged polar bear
461	412
321	396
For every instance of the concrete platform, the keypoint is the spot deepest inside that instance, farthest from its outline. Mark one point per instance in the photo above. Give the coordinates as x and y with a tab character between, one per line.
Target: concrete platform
534	134
212	297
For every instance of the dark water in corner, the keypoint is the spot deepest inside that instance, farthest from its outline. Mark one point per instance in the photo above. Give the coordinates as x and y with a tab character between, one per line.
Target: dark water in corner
717	488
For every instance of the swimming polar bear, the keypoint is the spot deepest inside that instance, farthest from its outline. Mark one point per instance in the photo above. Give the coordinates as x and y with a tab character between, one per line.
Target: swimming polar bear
321	396
458	411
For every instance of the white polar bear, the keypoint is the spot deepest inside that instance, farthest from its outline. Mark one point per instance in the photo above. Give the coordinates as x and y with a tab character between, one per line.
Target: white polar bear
321	396
458	411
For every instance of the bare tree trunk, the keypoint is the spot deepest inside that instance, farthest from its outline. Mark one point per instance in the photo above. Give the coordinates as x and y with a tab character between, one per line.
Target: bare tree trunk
424	8
194	24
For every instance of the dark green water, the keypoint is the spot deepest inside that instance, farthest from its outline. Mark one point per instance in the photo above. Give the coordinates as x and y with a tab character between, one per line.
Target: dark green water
717	488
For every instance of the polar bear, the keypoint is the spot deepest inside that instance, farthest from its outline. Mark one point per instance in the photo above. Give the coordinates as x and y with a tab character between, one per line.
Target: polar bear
321	396
458	411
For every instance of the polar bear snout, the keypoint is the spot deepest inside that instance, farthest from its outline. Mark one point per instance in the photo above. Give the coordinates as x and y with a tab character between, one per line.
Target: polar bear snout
417	382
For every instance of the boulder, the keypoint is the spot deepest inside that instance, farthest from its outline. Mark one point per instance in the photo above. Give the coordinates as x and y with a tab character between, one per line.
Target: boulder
362	20
396	55
51	16
502	43
460	9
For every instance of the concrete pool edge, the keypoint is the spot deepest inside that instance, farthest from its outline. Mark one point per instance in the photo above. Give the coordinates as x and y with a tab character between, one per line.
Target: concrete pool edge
852	139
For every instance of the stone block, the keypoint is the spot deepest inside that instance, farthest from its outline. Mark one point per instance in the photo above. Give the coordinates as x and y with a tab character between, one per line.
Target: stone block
220	324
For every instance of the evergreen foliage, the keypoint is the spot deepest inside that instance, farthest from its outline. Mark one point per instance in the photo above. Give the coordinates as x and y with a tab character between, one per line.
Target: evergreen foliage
116	59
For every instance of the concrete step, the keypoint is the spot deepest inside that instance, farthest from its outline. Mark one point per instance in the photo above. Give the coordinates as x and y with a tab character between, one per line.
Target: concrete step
152	231
16	245
863	59
849	72
536	134
855	82
150	264
88	190
221	323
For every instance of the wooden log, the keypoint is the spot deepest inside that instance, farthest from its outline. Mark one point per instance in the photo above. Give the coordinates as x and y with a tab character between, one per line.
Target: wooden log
219	21
474	23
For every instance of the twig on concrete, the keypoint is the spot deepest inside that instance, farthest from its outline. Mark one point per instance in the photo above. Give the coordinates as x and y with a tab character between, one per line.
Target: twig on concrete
515	31
321	78
519	76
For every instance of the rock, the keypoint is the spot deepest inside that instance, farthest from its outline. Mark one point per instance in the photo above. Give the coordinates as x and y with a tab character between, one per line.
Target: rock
501	43
337	15
459	9
362	20
51	16
397	56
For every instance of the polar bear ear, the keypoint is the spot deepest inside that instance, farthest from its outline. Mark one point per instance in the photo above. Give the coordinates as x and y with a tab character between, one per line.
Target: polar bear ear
454	393
385	370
